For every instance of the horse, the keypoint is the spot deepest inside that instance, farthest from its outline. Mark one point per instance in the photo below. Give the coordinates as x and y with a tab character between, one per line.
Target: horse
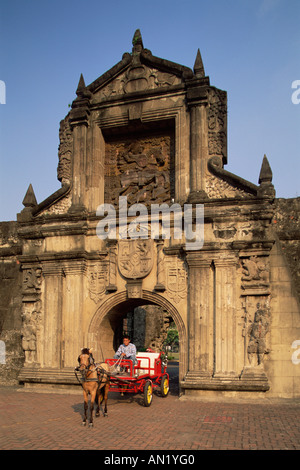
94	381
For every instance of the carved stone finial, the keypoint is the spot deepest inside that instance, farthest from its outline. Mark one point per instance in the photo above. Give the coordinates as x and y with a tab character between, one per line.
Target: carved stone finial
137	42
266	188
29	199
198	66
80	106
81	86
265	175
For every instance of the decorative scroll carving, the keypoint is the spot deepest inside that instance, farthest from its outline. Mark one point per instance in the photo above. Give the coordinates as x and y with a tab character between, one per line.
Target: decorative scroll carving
138	77
135	258
64	169
217	123
140	169
232	184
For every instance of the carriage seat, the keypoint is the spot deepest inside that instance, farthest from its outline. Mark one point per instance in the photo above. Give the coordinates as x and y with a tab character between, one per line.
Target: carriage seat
144	363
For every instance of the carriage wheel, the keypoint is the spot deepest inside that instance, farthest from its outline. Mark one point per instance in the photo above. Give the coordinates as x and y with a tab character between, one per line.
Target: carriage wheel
164	386
148	393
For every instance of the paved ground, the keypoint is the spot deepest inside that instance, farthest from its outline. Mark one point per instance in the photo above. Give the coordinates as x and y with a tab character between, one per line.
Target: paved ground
30	420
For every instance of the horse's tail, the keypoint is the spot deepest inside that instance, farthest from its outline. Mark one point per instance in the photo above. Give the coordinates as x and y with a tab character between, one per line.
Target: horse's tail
101	395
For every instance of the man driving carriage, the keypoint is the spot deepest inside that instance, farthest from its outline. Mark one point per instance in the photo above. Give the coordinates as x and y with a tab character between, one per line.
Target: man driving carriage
127	350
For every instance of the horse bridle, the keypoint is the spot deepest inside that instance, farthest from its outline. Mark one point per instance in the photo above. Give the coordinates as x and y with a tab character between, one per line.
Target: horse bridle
85	369
82	368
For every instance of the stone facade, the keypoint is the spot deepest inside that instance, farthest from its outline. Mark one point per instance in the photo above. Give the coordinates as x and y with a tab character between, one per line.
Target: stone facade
11	351
156	132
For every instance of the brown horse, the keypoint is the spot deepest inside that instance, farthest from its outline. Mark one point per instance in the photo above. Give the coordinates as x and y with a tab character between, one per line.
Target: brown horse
94	381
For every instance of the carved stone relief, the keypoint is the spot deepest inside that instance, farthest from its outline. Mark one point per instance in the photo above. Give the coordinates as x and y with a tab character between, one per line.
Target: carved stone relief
65	149
224	230
29	332
134	289
217	122
135	259
257	336
97	280
256	329
31	312
140	169
32	279
176	280
138	77
218	189
255	272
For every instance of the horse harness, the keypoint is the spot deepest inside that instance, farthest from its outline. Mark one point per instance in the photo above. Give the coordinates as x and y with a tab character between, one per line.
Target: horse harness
101	372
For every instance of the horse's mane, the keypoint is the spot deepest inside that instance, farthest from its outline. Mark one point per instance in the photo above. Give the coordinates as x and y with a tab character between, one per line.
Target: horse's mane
85	351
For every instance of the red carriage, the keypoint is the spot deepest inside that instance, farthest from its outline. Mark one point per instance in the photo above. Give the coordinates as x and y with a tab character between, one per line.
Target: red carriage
149	374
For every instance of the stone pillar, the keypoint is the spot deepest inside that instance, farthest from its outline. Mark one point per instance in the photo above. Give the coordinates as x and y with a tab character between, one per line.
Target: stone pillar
79	116
160	273
79	166
53	295
200	315
198	153
73	326
225	317
197	102
95	167
112	250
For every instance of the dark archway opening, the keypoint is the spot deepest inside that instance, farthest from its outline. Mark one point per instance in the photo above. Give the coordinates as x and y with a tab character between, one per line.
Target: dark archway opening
148	326
107	325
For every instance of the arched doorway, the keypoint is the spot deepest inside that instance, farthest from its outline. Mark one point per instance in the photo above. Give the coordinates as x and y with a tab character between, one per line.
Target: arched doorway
103	331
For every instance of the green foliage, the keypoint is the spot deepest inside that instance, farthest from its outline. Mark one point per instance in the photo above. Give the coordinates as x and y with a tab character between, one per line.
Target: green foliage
172	336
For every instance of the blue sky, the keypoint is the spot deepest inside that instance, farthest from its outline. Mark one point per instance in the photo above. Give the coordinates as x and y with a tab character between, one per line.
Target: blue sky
250	48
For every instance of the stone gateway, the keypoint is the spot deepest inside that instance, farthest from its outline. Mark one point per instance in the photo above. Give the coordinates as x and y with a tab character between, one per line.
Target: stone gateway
156	132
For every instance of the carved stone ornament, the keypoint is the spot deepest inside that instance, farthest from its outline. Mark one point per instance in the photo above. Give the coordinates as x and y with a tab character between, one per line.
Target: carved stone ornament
255	272
139	169
138	78
65	151
176	280
135	259
217	123
32	280
98	279
31	321
134	289
257	332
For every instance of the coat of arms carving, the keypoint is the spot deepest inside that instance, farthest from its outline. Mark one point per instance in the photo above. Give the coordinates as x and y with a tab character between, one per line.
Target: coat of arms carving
176	280
98	278
135	258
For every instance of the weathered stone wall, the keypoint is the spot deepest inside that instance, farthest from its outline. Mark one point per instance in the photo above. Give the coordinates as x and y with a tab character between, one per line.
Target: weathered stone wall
285	282
282	365
12	357
286	223
148	326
